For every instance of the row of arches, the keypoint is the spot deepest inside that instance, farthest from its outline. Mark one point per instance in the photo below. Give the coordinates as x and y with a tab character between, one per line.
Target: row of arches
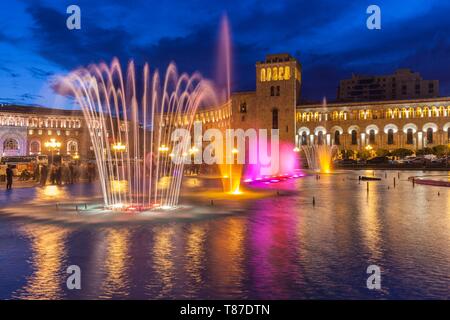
368	114
38	122
12	147
428	131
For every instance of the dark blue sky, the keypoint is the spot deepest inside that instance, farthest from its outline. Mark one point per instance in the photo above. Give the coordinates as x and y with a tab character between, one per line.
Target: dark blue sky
330	39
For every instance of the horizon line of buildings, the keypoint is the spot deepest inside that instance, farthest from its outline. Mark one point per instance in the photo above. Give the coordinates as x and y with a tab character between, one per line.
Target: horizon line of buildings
407	113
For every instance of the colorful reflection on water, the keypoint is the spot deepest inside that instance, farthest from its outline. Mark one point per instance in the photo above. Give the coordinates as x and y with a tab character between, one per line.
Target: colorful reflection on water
283	247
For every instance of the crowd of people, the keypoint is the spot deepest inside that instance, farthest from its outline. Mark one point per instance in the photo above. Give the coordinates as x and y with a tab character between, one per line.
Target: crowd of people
54	174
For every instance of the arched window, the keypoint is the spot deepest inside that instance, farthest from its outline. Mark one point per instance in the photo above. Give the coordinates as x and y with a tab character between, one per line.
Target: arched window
263	75
372	136
337	137
320	138
287	73
278	90
272	91
35	147
72	147
303	140
10	145
409	136
430	135
275	118
354	137
335	115
390	136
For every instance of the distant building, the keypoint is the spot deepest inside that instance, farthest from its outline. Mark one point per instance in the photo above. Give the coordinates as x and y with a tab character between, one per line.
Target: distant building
403	84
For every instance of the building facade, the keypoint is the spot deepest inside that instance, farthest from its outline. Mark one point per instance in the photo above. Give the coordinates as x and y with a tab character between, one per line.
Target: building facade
272	105
390	124
403	84
275	104
411	124
25	131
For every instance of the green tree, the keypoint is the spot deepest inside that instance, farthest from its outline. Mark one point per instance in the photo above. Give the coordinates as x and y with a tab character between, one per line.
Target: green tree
441	150
402	152
382	152
424	151
349	154
364	154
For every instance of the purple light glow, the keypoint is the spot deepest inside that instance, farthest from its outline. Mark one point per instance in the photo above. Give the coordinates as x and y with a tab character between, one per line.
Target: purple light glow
288	168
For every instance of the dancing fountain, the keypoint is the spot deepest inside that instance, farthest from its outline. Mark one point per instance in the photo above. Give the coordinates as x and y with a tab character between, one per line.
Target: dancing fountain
320	154
319	157
131	132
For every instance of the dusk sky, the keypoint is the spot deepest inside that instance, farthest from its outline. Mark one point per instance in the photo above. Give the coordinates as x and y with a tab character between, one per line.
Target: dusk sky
329	38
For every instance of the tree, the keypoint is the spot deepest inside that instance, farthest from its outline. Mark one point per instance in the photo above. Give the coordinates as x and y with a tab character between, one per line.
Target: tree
364	154
441	150
349	154
402	152
382	152
424	151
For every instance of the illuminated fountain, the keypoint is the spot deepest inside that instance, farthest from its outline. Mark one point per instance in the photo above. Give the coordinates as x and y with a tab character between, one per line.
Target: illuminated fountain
320	154
130	128
230	173
319	157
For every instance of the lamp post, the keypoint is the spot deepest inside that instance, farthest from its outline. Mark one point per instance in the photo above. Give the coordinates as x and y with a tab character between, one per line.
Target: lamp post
52	145
118	147
163	148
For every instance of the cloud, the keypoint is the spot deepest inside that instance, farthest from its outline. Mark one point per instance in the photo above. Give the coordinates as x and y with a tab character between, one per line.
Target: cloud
9	72
39	73
329	38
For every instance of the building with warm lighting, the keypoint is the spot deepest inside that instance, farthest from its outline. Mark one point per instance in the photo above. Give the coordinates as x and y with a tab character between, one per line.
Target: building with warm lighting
275	104
390	124
25	130
411	124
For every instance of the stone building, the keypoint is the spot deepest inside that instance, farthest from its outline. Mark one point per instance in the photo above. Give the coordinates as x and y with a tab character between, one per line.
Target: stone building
412	124
272	105
275	104
24	130
391	124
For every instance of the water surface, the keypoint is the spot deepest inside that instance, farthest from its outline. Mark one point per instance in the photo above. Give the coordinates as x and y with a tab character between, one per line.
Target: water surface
282	248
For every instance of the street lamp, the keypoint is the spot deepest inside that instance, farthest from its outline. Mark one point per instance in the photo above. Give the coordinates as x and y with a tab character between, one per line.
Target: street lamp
119	147
52	145
193	150
163	148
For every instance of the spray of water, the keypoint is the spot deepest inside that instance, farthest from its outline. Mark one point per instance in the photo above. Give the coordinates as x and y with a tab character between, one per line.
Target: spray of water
319	157
130	129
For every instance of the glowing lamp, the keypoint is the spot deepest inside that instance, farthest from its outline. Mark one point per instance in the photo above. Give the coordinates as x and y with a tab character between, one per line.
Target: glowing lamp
118	147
